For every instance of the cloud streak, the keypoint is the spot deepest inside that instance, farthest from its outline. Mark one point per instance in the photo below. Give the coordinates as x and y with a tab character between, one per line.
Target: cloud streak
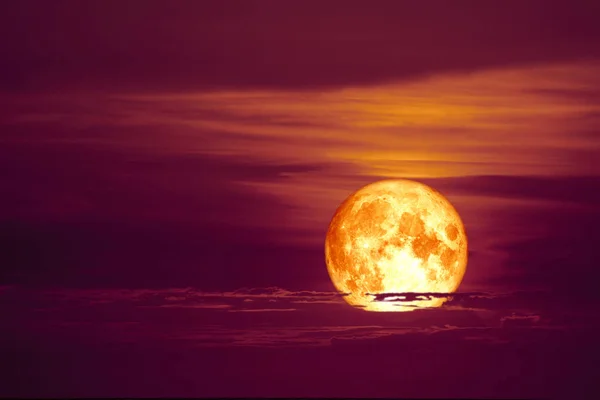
195	335
279	317
236	188
268	45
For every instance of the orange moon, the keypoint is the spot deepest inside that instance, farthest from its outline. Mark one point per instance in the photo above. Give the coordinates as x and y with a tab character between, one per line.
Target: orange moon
395	236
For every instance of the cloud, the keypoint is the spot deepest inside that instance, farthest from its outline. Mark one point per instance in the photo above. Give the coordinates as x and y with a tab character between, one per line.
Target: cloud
226	189
139	212
268	44
200	306
560	256
562	189
520	320
147	342
588	95
180	184
265	310
271	337
412	296
243	299
249	299
346	361
279	317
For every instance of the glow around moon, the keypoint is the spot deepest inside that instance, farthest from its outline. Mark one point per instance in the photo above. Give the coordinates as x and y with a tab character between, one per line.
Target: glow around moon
395	236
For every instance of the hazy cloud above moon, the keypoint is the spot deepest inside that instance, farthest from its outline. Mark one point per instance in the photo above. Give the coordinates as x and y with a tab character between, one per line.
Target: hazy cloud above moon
247	181
160	45
549	189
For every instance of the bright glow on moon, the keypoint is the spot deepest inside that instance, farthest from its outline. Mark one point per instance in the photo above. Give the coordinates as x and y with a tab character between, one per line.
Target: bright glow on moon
395	236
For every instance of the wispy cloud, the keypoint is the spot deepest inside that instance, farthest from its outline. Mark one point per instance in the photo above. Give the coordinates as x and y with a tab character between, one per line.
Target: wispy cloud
520	320
511	148
270	47
277	317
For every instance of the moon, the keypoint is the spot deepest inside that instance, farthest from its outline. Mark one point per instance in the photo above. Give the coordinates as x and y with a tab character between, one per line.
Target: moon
395	236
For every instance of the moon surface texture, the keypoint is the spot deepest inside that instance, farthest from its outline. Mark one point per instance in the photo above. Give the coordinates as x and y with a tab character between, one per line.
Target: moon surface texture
395	236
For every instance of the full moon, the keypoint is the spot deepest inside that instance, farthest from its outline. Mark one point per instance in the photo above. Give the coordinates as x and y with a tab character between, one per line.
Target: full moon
395	236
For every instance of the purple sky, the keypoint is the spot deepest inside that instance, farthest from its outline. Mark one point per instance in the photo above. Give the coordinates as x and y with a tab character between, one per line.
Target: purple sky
169	170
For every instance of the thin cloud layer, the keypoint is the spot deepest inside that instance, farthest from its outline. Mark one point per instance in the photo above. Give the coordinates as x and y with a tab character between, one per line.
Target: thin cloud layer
149	45
155	340
278	317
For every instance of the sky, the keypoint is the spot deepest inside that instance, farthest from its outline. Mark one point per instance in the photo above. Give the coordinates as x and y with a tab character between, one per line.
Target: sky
169	171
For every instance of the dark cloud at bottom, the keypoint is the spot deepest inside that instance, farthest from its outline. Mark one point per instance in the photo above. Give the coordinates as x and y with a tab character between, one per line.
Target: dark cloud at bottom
273	342
544	364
